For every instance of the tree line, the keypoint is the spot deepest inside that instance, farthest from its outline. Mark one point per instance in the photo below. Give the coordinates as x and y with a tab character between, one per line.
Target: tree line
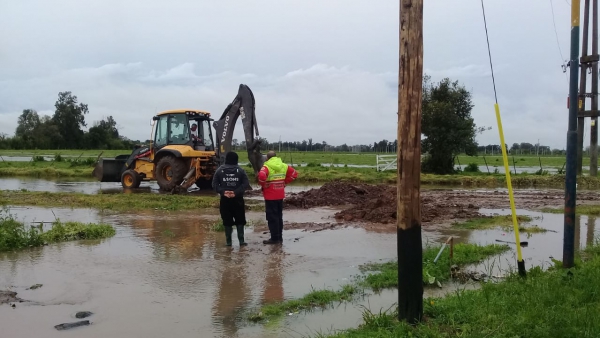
64	129
447	127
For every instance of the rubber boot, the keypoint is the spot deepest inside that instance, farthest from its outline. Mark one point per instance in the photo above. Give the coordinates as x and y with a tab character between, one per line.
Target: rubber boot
228	232
240	234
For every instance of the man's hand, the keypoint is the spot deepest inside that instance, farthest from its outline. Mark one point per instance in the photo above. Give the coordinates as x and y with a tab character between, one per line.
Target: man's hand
229	194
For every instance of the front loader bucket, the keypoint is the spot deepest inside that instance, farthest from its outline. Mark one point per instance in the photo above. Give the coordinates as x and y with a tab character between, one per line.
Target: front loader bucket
109	169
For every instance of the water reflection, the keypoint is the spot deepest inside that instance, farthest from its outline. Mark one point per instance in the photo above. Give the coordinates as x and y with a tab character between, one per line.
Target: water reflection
591	230
234	293
273	286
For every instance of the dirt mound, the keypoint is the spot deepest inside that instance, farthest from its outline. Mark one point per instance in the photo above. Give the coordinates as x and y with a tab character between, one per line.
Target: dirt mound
336	193
383	210
377	203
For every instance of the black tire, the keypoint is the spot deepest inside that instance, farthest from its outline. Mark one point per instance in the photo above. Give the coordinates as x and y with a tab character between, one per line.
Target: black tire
204	184
170	172
130	179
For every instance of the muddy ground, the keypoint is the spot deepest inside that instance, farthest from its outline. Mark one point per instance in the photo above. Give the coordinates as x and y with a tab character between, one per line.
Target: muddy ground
377	203
9	297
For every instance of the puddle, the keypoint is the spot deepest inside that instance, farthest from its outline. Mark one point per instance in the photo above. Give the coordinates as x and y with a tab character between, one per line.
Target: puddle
165	274
92	186
541	246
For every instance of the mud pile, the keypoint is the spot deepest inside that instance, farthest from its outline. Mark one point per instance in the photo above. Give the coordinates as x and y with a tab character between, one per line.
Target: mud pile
377	203
336	193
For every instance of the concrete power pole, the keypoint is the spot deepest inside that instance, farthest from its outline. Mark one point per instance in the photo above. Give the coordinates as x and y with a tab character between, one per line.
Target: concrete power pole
571	171
410	93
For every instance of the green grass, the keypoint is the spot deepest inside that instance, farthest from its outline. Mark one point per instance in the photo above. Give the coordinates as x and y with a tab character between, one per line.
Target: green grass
119	202
314	299
325	157
552	303
15	235
464	254
590	210
386	278
548	161
491	222
533	229
317	174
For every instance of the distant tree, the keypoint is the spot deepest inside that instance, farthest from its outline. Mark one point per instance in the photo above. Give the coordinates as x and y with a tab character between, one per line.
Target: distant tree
447	125
69	117
26	125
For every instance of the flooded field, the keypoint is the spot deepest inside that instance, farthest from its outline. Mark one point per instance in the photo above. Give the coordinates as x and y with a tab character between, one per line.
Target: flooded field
92	186
168	274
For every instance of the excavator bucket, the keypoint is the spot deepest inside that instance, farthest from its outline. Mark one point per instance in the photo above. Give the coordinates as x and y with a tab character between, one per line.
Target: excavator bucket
110	169
242	106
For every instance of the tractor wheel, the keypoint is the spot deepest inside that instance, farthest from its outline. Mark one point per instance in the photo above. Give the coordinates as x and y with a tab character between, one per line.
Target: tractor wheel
130	179
170	171
204	184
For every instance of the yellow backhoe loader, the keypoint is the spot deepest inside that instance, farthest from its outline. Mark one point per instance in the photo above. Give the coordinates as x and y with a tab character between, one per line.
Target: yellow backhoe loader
182	151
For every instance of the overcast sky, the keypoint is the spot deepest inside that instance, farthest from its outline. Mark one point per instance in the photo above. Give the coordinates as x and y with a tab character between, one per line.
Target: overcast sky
325	70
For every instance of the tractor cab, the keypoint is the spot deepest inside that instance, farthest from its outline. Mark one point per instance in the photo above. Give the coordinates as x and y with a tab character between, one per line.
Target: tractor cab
183	128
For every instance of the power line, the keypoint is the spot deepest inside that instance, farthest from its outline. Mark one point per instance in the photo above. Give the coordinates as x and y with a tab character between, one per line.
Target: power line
489	52
562	58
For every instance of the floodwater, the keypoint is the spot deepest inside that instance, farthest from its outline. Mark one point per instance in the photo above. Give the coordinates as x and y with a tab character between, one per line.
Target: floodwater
541	248
166	274
92	186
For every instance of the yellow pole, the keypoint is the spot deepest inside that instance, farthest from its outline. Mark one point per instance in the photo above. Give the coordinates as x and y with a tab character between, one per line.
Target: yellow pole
510	190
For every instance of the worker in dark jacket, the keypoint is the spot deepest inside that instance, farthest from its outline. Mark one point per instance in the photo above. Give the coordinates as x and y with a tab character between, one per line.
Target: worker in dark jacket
230	181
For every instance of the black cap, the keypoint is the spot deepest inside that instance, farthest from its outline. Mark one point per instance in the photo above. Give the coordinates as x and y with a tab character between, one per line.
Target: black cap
231	158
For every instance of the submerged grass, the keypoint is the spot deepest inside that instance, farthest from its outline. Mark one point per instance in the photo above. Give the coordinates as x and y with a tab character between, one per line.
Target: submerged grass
552	303
15	235
490	222
464	254
590	210
107	201
314	299
387	276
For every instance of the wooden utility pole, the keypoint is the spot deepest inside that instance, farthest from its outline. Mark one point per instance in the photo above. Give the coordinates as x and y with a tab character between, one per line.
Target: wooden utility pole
593	60
589	65
582	86
410	93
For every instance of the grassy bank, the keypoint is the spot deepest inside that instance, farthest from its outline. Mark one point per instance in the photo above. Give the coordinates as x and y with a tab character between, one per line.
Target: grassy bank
589	210
546	304
504	222
15	235
314	299
320	174
382	275
386	275
520	160
491	222
117	202
120	202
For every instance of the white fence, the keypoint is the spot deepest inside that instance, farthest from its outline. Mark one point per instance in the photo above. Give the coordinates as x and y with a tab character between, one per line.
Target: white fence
387	162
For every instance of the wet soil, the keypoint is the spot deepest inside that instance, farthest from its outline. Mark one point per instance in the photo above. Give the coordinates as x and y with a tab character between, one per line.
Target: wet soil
9	297
377	203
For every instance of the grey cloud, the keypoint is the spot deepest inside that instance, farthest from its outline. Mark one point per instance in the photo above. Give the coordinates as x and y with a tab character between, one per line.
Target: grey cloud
320	69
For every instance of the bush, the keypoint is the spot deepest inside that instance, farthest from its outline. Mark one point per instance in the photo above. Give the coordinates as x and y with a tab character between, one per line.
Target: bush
472	168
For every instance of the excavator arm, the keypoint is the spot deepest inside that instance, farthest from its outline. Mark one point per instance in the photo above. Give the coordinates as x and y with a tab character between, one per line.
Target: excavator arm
242	106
